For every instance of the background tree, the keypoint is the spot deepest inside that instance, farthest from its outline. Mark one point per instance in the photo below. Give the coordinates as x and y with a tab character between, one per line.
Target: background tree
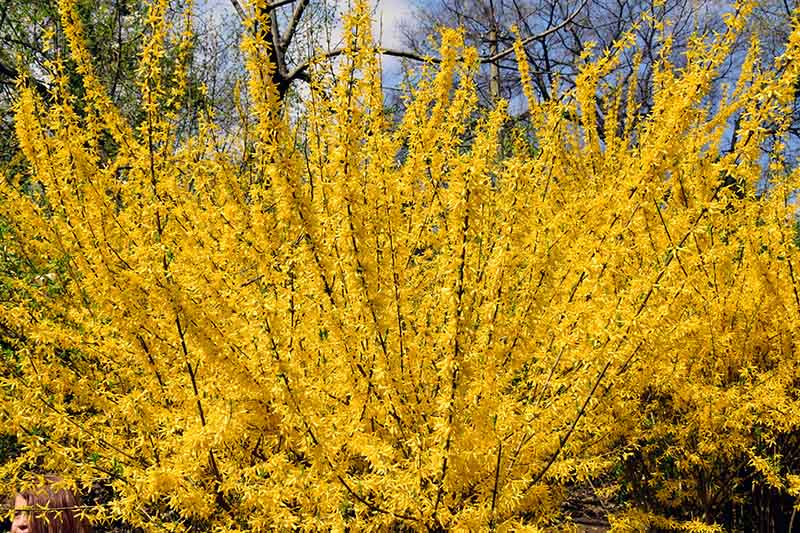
31	41
567	30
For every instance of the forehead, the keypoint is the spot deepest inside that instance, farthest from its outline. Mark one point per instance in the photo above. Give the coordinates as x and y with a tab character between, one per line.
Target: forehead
19	501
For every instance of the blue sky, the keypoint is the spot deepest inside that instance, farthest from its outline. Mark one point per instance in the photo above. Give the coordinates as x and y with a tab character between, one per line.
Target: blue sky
390	14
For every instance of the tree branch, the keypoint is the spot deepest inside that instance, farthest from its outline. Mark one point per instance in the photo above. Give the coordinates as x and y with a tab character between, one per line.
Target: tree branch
300	71
296	16
239	9
212	462
563	440
492	519
269	7
11	74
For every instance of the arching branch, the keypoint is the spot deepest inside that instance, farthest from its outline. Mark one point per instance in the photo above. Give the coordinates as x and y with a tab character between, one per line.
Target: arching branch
278	46
300	71
269	7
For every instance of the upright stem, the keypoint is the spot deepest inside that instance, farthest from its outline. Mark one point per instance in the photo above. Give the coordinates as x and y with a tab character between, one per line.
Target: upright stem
494	68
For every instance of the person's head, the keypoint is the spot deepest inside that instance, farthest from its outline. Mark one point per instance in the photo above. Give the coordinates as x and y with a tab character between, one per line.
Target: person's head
47	510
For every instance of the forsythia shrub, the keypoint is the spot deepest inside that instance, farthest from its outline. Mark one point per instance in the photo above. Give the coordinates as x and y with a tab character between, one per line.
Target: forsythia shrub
335	321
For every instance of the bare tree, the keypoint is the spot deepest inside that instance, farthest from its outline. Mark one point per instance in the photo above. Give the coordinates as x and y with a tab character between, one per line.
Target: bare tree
557	48
557	35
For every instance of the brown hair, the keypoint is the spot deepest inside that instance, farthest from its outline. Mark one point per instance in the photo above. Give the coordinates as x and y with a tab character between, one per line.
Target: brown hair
63	518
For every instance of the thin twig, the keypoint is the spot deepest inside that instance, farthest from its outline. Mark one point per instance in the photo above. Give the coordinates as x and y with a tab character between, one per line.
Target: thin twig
496	483
300	70
563	440
193	377
296	16
457	349
269	7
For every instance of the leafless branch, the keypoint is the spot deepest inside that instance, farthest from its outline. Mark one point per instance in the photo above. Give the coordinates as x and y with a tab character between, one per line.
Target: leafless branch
296	16
239	9
280	3
269	7
300	71
563	440
564	23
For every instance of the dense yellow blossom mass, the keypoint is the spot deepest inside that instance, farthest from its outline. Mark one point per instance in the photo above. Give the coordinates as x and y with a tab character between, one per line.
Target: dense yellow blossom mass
344	321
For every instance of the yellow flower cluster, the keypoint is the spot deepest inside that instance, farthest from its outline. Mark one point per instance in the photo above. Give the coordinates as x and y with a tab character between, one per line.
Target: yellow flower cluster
345	322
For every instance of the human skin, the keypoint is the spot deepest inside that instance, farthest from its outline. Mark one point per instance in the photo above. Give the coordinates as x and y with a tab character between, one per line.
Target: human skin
20	523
